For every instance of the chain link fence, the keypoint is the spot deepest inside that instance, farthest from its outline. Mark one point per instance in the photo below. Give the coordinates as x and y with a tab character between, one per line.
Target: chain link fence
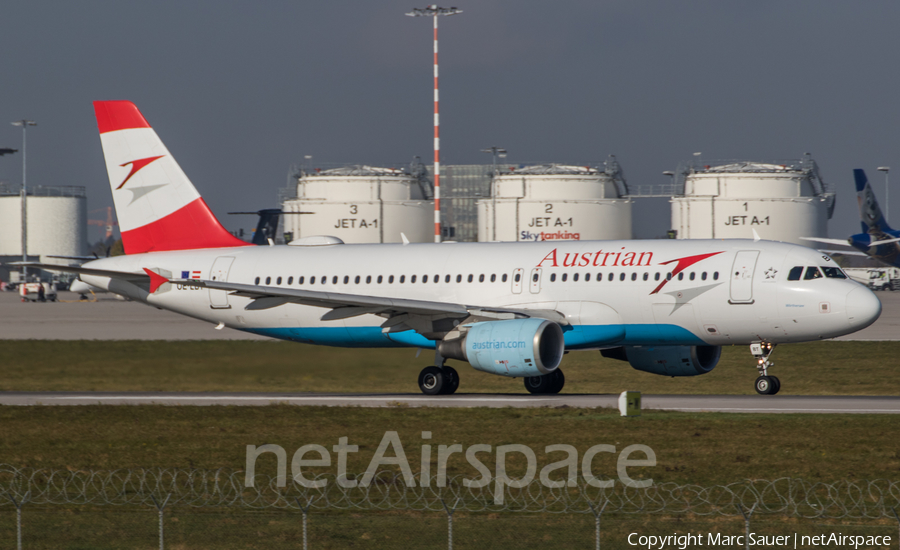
388	492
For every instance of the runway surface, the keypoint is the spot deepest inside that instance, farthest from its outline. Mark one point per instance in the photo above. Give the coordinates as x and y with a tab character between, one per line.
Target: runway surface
112	319
684	403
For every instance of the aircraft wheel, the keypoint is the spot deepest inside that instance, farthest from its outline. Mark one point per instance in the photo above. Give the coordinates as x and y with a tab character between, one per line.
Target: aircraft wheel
451	383
559	380
765	385
539	384
777	383
432	380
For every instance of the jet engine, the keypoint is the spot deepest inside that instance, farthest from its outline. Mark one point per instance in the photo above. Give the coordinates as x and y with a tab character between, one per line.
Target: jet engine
668	360
515	347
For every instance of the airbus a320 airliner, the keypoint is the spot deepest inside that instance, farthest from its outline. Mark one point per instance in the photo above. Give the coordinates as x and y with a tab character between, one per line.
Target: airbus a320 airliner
510	309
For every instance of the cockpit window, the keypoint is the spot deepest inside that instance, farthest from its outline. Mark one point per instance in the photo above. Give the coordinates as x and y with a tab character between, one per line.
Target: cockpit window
812	272
834	273
794	274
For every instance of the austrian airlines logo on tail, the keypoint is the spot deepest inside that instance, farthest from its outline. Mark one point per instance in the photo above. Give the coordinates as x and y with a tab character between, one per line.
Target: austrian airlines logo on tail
135	166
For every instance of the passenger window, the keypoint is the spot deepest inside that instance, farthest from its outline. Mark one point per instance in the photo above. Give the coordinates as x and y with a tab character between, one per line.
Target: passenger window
587	277
424	278
411	279
518	277
534	278
368	279
669	276
693	275
565	276
834	273
278	281
391	279
299	280
257	280
334	280
447	279
346	279
646	276
481	278
356	280
703	276
716	276
402	279
379	279
553	277
503	279
611	277
599	277
634	276
621	276
795	272
268	280
471	277
290	280
681	276
459	278
312	280
493	278
656	277
437	278
575	277
812	272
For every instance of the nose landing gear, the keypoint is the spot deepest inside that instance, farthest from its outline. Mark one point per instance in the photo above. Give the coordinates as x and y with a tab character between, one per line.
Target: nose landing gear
765	384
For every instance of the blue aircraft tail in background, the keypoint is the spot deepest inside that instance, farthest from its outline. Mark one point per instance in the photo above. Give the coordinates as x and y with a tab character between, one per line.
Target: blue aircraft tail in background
869	211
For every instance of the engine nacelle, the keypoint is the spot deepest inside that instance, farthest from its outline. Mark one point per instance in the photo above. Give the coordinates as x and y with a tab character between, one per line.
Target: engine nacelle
516	347
668	360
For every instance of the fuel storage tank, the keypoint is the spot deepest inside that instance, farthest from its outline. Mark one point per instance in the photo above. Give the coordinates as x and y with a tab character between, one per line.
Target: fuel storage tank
782	201
556	202
56	222
361	204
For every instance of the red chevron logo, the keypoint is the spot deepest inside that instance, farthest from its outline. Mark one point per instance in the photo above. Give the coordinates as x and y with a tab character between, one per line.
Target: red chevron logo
135	166
683	263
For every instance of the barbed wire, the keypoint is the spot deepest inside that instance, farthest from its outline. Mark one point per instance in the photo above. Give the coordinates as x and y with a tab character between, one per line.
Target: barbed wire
388	490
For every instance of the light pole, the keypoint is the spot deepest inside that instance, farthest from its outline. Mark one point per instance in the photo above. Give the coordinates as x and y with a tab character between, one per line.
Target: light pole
434	11
24	123
495	151
887	197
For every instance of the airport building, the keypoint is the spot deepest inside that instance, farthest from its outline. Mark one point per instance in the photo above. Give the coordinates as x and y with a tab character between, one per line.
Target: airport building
781	201
361	204
584	201
57	223
556	202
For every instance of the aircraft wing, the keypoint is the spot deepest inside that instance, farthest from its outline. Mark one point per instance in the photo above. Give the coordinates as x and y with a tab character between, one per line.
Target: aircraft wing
399	311
124	275
839	242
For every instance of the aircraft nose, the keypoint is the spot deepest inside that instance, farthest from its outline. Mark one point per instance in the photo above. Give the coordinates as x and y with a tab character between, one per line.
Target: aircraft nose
863	307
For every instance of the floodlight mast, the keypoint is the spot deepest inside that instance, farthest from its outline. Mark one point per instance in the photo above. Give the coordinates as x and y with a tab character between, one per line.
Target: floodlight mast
24	123
434	11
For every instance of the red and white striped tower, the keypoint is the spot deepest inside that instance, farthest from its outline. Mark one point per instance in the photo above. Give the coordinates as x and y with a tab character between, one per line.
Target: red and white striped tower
434	11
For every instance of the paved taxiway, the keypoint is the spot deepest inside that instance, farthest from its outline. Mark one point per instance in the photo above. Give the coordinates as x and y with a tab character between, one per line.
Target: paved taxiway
685	403
112	319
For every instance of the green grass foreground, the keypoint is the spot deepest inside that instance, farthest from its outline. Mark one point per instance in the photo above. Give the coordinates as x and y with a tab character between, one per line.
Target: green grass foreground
821	368
704	449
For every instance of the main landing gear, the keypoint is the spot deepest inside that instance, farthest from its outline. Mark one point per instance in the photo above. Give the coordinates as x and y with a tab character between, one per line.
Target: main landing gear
765	384
548	383
441	380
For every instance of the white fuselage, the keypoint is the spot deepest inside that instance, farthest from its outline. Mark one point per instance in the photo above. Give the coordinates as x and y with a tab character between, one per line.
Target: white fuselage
739	294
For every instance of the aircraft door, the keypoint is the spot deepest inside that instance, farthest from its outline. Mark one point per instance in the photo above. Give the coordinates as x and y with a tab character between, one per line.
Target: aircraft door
518	275
742	277
535	280
218	299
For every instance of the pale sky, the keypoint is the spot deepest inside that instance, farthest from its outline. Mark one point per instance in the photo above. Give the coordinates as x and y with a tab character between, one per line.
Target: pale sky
240	90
